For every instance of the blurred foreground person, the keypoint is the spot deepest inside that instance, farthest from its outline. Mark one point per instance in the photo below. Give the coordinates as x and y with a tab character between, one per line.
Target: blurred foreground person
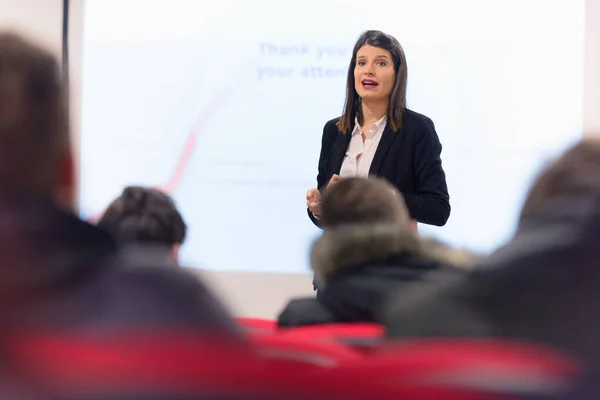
369	249
59	273
542	286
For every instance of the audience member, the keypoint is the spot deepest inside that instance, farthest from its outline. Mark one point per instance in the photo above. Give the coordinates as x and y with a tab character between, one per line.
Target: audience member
368	249
58	272
145	216
542	286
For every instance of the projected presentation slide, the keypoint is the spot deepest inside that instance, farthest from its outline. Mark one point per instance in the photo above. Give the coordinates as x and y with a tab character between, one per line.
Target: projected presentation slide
223	103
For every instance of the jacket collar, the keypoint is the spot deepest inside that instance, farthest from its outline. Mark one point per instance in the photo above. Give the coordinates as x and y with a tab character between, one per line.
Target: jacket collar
349	246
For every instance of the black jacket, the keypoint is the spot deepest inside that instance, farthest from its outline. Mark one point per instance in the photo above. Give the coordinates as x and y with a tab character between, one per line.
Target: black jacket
409	159
359	268
543	286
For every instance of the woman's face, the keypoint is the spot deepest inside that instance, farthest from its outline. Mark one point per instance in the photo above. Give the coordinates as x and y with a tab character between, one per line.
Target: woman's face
374	76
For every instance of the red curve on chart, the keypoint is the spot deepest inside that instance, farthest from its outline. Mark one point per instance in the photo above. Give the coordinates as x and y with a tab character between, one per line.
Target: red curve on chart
189	146
186	153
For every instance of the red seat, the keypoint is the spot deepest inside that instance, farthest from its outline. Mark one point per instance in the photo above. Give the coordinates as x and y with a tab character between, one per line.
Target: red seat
186	364
150	365
304	350
365	337
257	325
329	331
440	370
464	367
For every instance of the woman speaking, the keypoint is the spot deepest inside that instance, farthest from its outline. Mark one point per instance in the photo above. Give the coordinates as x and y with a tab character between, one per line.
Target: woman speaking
378	135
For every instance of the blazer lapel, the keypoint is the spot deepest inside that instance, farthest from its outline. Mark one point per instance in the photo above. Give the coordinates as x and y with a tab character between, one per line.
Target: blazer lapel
385	143
339	152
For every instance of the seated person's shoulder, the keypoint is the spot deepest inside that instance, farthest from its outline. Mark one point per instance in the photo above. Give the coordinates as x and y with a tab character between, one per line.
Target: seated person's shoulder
438	306
304	311
168	293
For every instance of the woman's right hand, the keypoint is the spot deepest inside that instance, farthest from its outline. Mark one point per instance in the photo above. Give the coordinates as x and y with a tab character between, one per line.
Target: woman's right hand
313	196
313	201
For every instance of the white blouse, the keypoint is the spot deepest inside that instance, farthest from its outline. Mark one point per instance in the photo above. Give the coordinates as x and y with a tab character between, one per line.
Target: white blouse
359	154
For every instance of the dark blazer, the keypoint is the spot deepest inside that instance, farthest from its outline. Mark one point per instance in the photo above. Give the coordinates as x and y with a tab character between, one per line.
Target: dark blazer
409	159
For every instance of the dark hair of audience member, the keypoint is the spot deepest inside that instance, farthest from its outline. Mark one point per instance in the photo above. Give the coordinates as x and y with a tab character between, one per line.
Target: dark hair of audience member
360	200
144	215
35	154
576	173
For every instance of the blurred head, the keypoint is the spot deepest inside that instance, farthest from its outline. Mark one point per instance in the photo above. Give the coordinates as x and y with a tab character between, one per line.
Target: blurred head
576	173
363	201
35	153
377	73
143	215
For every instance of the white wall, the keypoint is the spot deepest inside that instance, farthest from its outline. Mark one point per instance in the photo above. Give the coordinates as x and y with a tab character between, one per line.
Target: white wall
260	295
591	100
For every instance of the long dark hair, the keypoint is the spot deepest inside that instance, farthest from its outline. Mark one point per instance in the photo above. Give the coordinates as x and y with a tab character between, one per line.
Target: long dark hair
397	103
